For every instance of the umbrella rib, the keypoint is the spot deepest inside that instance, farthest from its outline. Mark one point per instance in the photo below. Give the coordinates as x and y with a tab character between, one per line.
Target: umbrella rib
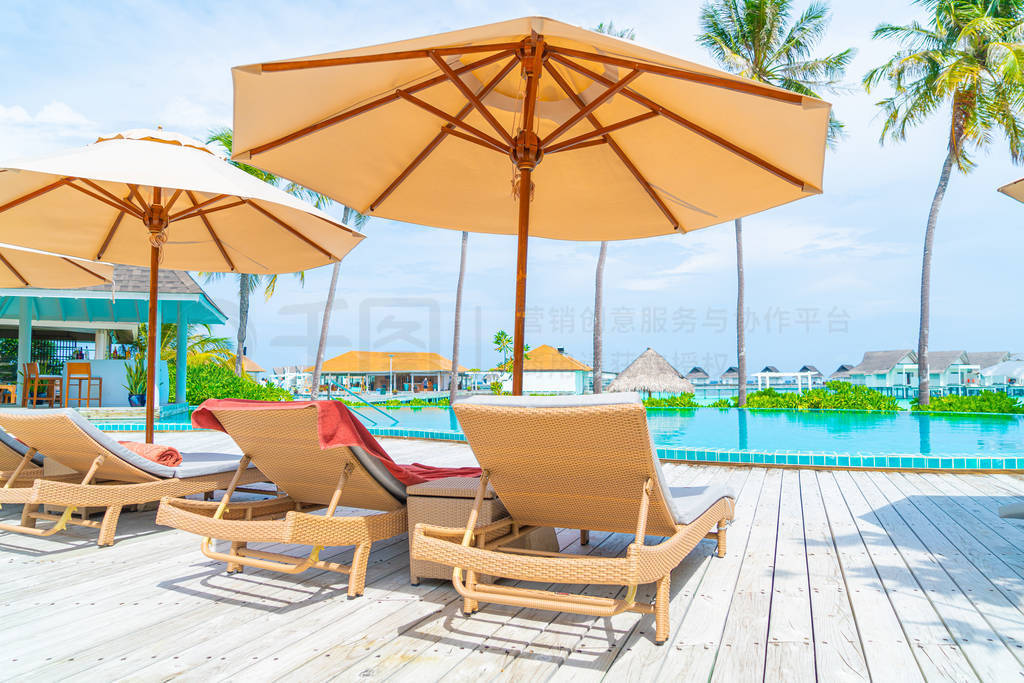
134	192
493	142
185	213
373	104
213	234
13	270
586	137
447	129
120	203
291	230
587	109
207	212
110	235
76	264
750	87
689	125
384	57
469	95
35	193
174	198
580	145
567	89
100	198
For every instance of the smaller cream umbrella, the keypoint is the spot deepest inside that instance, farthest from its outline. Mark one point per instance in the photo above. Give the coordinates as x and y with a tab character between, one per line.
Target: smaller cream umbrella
30	268
161	199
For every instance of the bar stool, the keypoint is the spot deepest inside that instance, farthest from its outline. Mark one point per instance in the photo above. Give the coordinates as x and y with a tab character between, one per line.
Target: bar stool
32	382
80	374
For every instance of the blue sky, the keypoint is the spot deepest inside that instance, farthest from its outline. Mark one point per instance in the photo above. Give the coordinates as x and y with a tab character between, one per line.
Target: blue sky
827	277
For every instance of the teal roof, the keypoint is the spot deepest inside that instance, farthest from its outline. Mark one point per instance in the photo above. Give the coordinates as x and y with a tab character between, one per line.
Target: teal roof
127	304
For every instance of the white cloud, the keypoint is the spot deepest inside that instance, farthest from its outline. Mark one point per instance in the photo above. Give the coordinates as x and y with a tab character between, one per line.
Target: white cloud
56	125
60	114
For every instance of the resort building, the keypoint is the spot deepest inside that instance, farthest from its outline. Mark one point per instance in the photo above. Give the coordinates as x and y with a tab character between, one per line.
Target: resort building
842	372
551	370
95	325
293	378
730	376
698	376
951	368
413	371
897	367
816	376
985	360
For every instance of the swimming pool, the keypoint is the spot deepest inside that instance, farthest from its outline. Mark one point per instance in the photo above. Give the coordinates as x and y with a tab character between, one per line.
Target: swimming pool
903	440
812	438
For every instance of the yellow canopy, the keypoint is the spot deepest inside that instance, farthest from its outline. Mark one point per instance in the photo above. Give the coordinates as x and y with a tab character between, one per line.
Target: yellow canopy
24	268
530	127
377	362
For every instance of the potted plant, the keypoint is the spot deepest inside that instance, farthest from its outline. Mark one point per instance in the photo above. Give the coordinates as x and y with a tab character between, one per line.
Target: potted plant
135	380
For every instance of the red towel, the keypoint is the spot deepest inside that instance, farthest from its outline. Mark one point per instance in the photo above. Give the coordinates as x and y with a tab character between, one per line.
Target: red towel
337	426
164	455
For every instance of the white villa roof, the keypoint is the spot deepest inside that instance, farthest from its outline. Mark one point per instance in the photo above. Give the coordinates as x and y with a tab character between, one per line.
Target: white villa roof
875	362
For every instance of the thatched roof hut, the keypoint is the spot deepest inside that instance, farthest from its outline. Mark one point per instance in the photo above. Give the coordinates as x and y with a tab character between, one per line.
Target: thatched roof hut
697	373
650	372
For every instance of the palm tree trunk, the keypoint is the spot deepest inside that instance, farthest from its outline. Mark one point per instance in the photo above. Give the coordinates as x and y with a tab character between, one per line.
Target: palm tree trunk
923	384
243	319
325	321
741	344
598	372
453	385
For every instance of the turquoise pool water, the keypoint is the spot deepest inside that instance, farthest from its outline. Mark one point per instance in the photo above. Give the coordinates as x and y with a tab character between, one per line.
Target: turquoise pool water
825	438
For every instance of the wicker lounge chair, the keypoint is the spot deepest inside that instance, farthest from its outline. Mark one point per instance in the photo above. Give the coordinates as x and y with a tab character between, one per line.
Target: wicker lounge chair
14	466
106	474
284	444
579	462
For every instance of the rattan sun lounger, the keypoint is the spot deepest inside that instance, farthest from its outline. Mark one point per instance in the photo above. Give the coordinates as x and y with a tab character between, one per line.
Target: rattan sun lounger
14	466
577	462
284	444
106	474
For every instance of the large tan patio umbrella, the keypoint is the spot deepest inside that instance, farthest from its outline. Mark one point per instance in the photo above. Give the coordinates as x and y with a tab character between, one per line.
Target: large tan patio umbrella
530	127
1014	189
25	268
159	199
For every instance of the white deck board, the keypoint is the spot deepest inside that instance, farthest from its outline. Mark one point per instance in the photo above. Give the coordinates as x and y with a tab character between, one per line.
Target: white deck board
828	575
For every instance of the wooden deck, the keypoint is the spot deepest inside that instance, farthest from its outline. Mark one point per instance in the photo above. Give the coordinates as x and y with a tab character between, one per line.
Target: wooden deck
830	575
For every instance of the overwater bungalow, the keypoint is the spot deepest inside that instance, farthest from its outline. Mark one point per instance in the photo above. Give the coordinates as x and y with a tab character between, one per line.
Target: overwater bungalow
842	372
697	375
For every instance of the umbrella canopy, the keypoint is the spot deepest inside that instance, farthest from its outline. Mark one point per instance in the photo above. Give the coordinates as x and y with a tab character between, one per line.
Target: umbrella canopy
1009	369
23	268
156	198
604	139
1014	189
650	372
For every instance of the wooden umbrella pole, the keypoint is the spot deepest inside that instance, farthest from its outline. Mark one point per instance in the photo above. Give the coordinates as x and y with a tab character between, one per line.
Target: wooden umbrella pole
152	342
519	331
156	220
526	154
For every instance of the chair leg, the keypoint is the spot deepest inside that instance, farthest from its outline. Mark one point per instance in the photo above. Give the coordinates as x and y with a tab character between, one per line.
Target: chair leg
357	575
109	525
584	536
661	620
234	567
27	520
722	524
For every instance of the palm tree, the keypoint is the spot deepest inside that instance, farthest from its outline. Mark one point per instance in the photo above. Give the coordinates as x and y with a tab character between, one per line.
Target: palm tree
965	62
755	39
503	344
353	219
453	384
247	283
203	348
598	369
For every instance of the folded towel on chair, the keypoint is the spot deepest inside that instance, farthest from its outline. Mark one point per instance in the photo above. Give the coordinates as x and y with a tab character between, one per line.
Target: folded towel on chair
164	455
337	426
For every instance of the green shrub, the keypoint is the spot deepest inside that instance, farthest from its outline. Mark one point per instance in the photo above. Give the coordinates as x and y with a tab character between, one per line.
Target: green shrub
215	381
723	403
835	395
680	401
496	388
985	402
